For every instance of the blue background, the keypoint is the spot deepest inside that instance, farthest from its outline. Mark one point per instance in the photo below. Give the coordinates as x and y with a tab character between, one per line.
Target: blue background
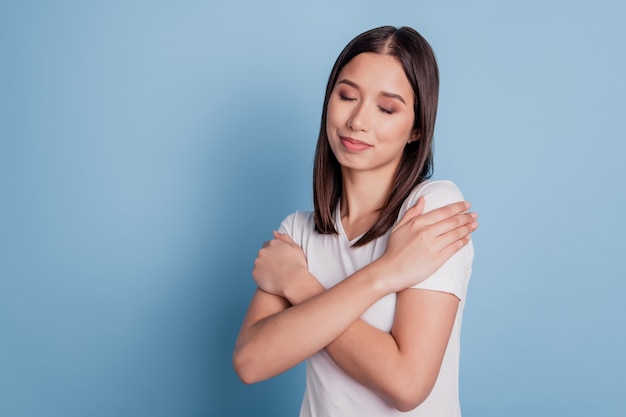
147	149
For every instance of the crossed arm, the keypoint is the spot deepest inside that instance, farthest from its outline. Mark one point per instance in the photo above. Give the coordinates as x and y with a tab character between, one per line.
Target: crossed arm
283	324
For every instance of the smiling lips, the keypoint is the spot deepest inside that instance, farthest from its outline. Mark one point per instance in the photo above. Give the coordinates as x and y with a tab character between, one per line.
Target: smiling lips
354	145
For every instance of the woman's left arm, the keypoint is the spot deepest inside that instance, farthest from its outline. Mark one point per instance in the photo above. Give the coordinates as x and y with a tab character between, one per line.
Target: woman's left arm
401	366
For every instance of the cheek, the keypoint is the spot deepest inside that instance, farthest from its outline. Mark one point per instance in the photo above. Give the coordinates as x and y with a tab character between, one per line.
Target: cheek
331	113
333	118
396	130
407	127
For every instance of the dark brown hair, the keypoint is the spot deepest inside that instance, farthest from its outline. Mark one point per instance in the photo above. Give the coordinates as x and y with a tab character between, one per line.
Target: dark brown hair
416	165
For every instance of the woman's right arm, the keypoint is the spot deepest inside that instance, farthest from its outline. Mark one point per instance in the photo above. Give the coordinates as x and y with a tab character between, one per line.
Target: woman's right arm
275	336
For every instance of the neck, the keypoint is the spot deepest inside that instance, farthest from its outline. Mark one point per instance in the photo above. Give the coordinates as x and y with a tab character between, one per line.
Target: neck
364	193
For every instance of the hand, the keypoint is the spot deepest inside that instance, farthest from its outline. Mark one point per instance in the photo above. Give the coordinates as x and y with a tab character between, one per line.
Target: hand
421	243
277	264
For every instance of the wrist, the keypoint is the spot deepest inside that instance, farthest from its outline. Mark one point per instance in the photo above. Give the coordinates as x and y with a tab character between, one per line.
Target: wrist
378	279
301	287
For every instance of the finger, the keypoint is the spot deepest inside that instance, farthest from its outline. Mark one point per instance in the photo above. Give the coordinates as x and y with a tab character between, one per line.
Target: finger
419	206
411	213
451	223
444	212
451	237
284	237
449	251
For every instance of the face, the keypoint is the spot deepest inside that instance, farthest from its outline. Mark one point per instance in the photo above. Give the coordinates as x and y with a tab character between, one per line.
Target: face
370	114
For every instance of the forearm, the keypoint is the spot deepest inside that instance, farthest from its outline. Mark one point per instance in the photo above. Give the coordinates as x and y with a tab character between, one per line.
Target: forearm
369	355
402	366
273	344
372	357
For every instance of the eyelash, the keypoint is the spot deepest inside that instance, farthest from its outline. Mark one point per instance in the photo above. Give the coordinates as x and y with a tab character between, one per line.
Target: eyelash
345	98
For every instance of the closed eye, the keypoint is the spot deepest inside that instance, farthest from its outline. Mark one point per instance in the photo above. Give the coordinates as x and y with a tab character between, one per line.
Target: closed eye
384	110
346	98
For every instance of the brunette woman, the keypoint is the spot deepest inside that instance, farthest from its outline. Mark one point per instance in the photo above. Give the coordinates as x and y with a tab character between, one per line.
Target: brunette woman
369	288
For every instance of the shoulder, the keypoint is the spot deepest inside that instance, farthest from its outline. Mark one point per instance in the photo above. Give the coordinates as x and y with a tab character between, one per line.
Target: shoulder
298	225
436	194
453	276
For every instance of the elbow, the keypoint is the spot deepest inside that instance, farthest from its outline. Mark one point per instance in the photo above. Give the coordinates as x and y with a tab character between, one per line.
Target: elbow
244	368
409	396
407	404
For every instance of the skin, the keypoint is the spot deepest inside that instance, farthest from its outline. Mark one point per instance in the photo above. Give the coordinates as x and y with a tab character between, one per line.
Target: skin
370	117
371	104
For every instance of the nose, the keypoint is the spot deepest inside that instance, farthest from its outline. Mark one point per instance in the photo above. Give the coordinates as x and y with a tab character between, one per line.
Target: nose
359	120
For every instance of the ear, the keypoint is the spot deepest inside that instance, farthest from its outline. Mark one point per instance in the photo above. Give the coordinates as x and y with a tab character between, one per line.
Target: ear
415	136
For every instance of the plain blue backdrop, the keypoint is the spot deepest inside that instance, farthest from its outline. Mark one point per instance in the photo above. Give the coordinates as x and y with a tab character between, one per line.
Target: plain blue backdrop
148	148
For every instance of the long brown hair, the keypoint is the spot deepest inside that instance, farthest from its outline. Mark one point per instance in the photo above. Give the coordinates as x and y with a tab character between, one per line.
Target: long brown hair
416	165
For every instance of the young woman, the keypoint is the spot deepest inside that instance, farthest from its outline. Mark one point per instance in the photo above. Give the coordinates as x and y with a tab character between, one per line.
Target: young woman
369	288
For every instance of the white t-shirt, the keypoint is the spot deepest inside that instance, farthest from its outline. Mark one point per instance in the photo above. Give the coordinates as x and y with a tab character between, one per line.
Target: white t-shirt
330	392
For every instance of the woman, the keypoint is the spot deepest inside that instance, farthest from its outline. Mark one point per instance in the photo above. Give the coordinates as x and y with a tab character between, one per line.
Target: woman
369	288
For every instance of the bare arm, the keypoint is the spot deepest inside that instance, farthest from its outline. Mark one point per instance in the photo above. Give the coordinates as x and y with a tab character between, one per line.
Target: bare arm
402	366
275	337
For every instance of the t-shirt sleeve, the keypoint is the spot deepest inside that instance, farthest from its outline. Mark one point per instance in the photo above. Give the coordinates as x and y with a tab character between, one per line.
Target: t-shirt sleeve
294	226
452	276
286	226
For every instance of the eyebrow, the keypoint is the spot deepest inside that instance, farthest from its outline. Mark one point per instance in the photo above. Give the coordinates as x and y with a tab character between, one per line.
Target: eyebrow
382	93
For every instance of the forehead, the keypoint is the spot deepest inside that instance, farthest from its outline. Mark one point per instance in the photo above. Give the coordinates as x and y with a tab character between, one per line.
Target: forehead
377	72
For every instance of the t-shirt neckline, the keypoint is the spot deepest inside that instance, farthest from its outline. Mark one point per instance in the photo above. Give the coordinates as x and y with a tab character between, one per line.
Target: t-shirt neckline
340	229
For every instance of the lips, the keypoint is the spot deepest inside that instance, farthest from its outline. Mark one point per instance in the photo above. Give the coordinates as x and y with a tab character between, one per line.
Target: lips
354	145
